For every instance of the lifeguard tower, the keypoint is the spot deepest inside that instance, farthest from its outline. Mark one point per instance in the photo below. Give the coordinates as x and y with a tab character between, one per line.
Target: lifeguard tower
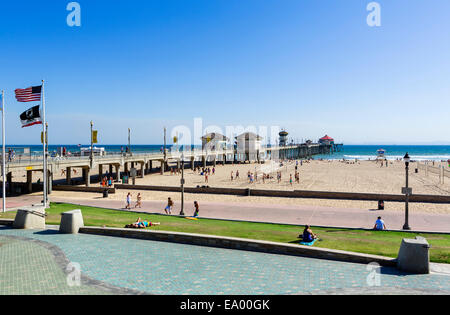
283	138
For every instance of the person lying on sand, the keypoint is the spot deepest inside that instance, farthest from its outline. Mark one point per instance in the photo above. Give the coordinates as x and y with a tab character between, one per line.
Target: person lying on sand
141	224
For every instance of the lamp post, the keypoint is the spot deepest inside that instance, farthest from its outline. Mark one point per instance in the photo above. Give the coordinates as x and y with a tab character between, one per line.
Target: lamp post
182	184
92	144
406	159
129	141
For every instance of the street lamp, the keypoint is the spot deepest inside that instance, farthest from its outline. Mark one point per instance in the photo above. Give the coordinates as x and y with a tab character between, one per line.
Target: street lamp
129	141
406	191
182	183
92	145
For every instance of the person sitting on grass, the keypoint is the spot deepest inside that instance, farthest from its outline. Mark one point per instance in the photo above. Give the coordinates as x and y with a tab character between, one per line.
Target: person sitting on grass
141	224
379	225
308	236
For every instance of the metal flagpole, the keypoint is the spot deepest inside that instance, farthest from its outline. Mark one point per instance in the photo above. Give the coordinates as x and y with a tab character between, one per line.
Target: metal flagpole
3	152
44	145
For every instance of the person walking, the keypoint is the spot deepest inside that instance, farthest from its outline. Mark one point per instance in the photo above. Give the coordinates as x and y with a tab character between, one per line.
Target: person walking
169	206
197	209
128	205
138	201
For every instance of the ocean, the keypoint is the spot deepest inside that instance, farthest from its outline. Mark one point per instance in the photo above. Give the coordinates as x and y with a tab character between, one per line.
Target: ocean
393	152
360	152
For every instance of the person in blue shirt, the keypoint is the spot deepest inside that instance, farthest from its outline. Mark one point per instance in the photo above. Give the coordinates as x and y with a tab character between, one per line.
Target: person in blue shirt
379	225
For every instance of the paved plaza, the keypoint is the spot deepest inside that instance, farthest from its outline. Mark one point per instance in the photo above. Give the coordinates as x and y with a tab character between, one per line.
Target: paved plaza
35	262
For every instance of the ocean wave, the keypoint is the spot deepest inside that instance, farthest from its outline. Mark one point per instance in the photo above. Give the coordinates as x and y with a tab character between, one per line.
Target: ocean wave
400	157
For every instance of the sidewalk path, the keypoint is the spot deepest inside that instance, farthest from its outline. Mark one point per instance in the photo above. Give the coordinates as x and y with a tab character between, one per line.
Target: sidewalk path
301	214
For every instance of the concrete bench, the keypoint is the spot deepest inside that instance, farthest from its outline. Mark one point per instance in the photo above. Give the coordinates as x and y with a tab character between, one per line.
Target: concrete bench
413	256
30	218
71	221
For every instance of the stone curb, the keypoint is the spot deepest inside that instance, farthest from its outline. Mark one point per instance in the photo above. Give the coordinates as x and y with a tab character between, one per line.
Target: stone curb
242	244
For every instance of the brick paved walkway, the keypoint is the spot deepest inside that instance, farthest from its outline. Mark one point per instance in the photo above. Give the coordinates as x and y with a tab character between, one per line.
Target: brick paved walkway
29	267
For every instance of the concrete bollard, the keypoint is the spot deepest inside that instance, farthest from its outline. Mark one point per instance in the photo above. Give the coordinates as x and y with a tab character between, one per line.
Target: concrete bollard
30	218
413	256
71	222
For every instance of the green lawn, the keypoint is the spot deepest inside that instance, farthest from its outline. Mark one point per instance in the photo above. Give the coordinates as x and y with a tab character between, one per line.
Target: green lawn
369	242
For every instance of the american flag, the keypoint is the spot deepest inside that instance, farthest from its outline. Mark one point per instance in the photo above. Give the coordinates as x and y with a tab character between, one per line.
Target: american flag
30	94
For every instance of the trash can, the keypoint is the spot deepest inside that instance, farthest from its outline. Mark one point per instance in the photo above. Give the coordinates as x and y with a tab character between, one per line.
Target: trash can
125	180
380	205
105	193
417	170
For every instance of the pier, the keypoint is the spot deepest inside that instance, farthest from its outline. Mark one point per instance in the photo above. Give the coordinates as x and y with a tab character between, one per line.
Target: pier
116	163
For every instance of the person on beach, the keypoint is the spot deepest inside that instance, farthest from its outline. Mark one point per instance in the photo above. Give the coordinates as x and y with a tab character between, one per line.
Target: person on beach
379	225
206	177
231	175
110	181
128	205
169	206
197	209
237	174
138	201
290	179
308	235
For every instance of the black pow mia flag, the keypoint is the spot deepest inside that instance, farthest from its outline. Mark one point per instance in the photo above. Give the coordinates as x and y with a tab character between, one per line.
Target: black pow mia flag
31	117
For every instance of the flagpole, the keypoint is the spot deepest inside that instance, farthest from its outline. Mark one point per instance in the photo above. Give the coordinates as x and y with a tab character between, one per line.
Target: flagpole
44	145
3	152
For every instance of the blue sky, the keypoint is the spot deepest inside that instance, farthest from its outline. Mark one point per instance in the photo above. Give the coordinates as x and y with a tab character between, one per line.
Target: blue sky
312	67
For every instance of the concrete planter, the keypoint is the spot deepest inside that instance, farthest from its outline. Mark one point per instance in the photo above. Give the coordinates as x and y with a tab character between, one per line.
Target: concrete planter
30	218
71	222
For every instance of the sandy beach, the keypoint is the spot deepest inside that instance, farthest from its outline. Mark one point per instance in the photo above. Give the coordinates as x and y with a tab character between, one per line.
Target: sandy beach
327	175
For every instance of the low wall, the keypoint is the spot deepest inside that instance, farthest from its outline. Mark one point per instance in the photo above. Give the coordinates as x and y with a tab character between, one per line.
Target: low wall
83	189
293	194
7	222
241	244
193	190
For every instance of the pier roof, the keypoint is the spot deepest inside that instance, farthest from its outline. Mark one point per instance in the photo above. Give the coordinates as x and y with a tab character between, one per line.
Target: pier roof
215	136
327	138
249	136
